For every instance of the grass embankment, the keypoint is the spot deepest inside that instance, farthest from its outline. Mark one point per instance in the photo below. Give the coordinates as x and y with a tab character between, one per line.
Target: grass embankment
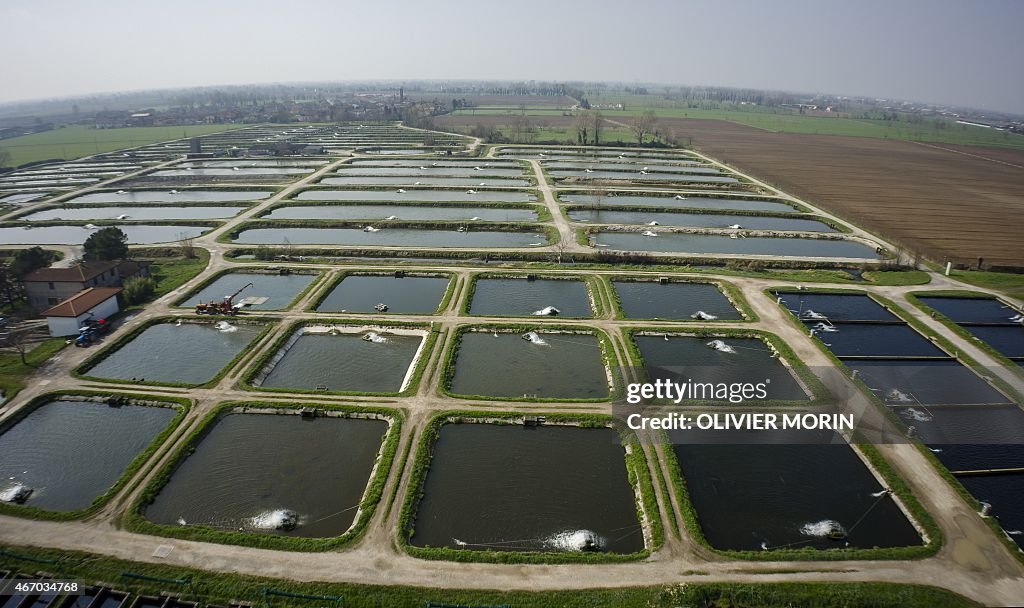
14	373
219	588
172	273
78	141
1006	282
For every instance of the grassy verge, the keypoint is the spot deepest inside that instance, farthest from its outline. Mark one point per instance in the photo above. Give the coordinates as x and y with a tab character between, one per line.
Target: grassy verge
219	588
135	518
77	141
181	405
896	277
14	373
172	273
1006	282
636	466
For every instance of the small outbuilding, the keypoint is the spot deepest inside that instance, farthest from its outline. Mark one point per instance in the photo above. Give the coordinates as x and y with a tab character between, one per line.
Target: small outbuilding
96	303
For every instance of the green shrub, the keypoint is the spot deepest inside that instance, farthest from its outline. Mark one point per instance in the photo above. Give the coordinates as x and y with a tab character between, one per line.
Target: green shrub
138	290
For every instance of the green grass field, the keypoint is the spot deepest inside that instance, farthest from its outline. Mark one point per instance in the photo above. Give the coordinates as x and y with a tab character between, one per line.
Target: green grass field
784	121
78	141
13	373
1006	282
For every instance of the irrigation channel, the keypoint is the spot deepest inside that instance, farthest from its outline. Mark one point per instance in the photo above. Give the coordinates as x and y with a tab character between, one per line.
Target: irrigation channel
456	408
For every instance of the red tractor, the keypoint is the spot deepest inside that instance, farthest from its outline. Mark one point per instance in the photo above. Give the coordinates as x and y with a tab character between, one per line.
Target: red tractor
224	307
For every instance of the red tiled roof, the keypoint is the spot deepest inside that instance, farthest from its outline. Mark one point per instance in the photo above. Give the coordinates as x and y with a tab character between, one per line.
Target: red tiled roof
72	274
82	302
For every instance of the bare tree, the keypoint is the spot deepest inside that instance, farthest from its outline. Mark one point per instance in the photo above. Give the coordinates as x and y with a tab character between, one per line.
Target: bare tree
598	125
582	124
643	125
186	246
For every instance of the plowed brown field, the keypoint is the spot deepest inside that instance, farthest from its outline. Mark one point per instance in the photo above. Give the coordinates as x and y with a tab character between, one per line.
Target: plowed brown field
944	201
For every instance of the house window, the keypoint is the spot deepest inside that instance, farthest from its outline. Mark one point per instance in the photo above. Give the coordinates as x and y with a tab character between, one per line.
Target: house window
51	285
51	301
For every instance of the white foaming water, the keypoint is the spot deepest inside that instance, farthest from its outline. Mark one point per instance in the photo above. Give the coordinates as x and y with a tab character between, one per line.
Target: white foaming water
224	327
880	493
18	493
575	540
721	347
898	395
372	336
1015	532
279	519
459	543
703	316
822	529
534	338
810	314
182	522
826	328
547	311
648	233
916	415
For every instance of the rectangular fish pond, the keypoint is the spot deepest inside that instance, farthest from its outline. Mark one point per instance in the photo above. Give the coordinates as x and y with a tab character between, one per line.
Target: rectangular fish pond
523	297
674	301
987	319
969	438
716	360
507	487
697	220
153	213
268	290
689	201
895	361
773	490
530	364
469	182
68	451
402	212
76	235
400	293
130	197
183	351
385	236
419	195
680	242
300	477
340	358
1002	497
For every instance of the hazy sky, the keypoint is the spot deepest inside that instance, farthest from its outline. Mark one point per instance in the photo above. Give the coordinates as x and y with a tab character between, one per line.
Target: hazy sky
963	52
